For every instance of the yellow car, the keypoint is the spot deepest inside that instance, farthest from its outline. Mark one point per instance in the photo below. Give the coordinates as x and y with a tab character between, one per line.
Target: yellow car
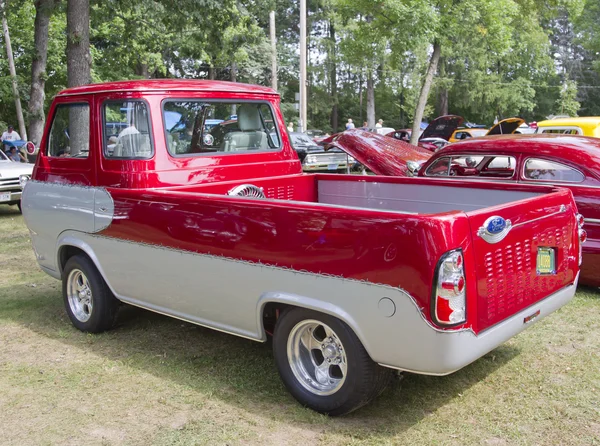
460	134
587	126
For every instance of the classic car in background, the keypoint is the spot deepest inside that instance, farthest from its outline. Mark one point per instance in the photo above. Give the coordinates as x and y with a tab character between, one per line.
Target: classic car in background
314	158
380	154
566	161
584	126
434	136
13	176
465	133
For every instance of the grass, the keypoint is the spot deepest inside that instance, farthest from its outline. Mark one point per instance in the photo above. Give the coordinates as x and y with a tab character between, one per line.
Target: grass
157	381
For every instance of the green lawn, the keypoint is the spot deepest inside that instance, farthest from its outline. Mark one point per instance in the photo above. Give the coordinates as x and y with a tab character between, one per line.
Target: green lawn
158	381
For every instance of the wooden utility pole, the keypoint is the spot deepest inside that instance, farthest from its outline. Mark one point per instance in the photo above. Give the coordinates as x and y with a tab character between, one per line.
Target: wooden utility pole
303	80
273	50
13	73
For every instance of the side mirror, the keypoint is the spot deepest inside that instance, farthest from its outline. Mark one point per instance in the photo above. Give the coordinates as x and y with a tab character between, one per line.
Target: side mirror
413	168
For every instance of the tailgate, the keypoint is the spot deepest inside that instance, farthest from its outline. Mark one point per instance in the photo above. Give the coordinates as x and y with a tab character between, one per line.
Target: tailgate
508	271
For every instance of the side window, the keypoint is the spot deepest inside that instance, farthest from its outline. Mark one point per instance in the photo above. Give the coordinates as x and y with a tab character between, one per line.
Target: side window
499	167
439	168
542	170
198	127
126	129
70	132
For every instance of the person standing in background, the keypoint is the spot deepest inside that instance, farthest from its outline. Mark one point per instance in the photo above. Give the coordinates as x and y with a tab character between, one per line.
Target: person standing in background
349	124
10	135
379	124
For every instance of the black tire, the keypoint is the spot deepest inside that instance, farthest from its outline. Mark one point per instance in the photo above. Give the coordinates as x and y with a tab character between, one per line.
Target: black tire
19	206
103	312
364	381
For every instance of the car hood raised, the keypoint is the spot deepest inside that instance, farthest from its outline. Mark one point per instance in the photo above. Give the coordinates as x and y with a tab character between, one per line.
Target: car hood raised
442	127
506	126
381	154
10	169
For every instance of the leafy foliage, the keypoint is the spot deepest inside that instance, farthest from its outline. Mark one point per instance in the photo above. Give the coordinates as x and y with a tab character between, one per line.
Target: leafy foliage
499	57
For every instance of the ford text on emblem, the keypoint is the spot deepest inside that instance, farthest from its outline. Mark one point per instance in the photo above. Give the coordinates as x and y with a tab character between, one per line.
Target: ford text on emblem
494	229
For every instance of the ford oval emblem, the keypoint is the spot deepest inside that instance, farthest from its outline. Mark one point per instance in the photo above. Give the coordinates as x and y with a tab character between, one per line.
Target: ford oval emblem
494	229
495	225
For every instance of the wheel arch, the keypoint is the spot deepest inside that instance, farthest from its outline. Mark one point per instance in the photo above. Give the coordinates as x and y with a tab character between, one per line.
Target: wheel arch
69	245
281	301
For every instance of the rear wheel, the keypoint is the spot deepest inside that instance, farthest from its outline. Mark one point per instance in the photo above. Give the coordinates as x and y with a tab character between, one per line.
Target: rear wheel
89	302
323	364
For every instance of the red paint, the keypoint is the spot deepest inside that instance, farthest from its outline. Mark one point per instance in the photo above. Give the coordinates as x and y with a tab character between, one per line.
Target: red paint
163	169
579	152
382	155
180	202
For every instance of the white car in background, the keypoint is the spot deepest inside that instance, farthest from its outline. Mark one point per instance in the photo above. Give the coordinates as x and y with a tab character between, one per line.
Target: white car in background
13	177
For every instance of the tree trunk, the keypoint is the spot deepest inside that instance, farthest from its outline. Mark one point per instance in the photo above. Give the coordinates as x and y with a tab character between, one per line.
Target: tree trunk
442	102
141	69
43	11
370	100
79	61
79	65
360	97
13	73
420	109
333	78
211	72
273	37
233	79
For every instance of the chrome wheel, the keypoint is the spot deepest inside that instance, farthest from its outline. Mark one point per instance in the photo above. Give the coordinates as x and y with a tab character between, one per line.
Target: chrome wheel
317	357
79	295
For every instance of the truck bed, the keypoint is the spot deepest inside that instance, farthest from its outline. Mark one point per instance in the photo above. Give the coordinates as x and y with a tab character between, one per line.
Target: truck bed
408	196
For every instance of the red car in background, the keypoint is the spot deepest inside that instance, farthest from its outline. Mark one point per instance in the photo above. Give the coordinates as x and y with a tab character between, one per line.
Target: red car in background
558	160
380	154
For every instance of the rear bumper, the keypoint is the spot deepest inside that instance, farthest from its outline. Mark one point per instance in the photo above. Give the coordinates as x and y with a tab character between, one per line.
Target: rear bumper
448	352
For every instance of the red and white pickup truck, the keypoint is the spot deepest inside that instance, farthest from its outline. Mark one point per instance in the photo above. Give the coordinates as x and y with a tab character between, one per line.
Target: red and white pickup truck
186	198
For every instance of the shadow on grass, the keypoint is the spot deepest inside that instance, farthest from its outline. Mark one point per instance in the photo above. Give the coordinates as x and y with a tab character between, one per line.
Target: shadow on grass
237	371
9	211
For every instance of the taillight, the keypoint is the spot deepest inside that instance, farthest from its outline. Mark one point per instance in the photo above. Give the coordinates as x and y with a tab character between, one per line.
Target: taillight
449	299
582	235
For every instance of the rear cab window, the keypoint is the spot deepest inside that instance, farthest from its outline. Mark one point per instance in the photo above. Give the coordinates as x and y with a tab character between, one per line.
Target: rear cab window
536	169
484	166
197	127
126	129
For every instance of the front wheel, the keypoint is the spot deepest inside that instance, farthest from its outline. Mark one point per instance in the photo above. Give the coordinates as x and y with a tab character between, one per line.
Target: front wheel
323	364
90	304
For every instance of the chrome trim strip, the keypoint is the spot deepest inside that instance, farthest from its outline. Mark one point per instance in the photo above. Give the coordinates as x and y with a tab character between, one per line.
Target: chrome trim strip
592	220
561	210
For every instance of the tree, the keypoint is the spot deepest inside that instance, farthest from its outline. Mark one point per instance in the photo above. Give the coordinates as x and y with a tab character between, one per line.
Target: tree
79	60
13	73
567	103
43	11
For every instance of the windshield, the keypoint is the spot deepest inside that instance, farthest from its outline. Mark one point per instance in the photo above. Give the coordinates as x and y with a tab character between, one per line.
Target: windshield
195	127
3	157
